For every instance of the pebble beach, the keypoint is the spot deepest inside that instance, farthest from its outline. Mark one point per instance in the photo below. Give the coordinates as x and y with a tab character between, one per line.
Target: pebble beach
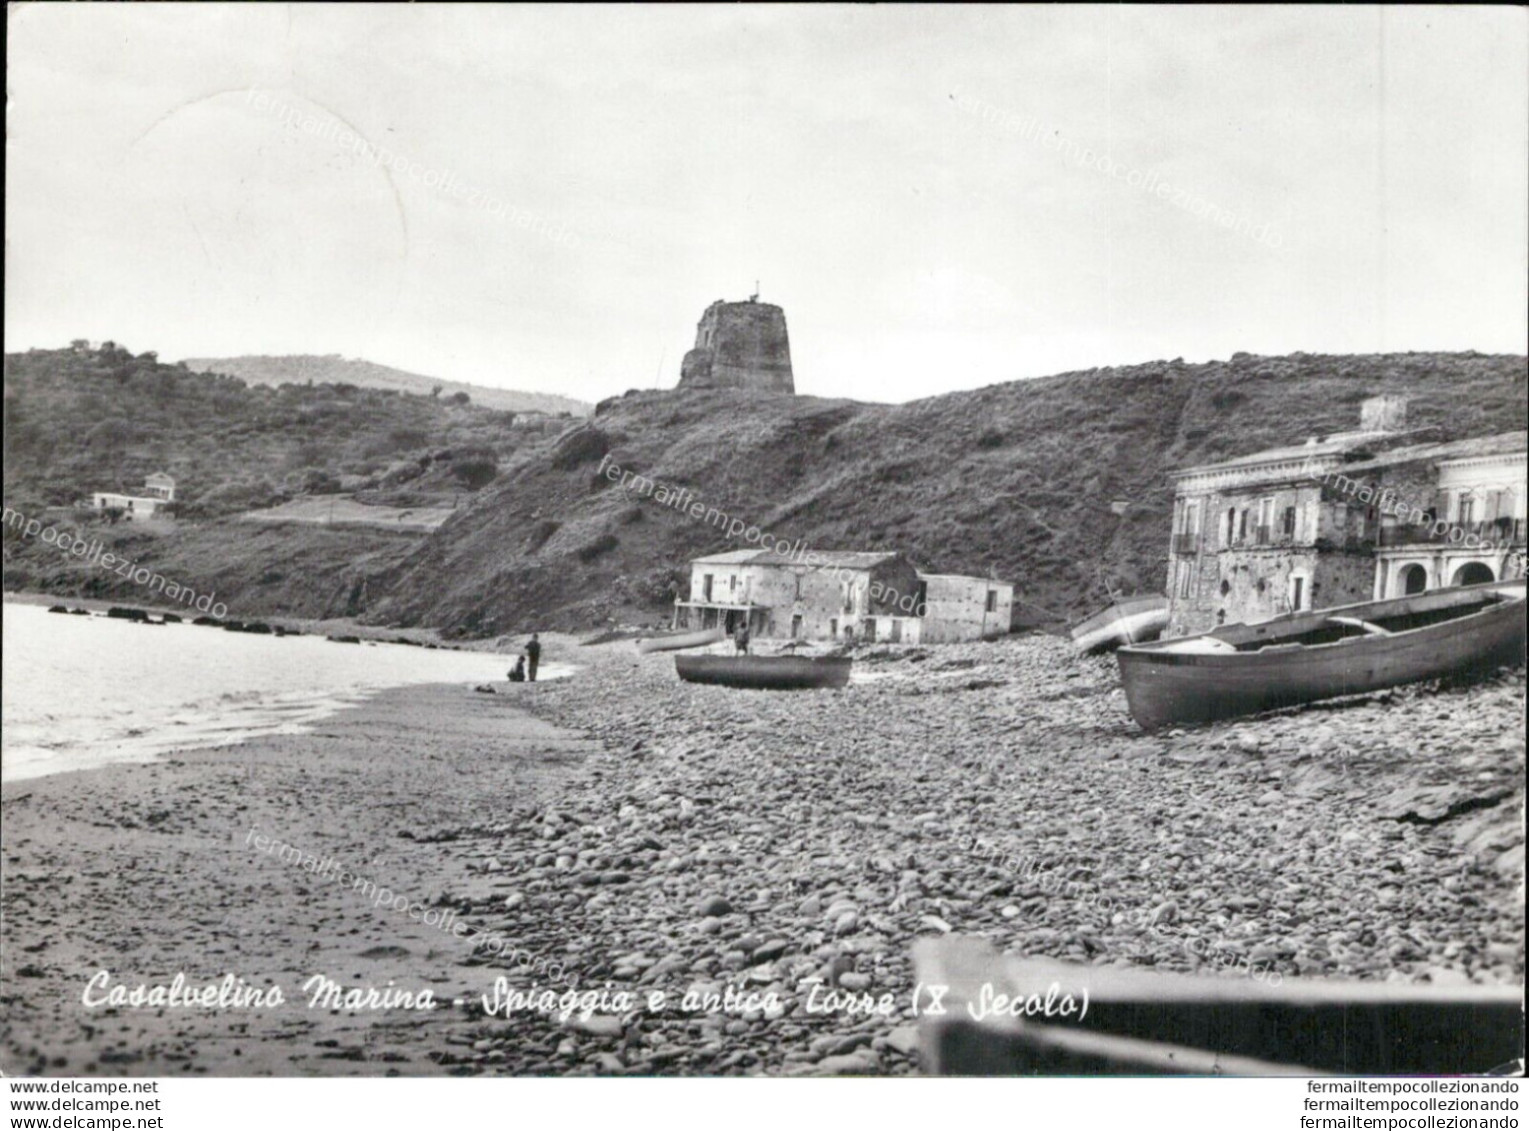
627	832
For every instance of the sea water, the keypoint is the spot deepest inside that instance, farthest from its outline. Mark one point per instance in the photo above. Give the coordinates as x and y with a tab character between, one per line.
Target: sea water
84	691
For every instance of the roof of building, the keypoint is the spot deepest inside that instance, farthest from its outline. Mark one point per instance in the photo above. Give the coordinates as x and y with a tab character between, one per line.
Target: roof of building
730	557
824	559
1336	444
1359	460
1500	443
159	475
962	577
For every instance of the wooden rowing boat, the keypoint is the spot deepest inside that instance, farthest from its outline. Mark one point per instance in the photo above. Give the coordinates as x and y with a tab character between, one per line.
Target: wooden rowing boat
765	673
1130	621
1152	1023
677	640
1240	669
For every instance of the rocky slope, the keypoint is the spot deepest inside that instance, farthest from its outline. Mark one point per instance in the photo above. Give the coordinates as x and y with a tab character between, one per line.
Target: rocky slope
1055	484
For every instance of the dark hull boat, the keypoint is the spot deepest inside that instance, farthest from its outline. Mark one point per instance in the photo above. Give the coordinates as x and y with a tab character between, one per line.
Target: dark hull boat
765	673
677	640
1125	622
1240	669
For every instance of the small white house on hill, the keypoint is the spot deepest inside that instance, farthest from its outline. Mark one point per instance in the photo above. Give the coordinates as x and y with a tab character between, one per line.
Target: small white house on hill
158	489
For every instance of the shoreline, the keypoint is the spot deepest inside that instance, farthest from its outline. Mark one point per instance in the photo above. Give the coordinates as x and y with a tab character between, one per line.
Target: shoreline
647	834
366	788
330	626
258	715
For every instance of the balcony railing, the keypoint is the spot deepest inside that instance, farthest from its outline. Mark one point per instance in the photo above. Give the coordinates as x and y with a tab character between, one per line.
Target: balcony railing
1185	544
1502	531
1260	536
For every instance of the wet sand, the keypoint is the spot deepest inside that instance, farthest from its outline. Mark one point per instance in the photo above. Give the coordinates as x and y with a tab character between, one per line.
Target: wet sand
150	870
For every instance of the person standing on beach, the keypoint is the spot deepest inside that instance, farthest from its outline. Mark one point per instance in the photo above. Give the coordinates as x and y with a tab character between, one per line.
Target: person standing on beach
741	639
533	655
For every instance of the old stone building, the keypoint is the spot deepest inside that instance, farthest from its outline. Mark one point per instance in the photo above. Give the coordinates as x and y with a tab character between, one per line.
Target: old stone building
740	345
1317	524
1262	535
957	607
815	596
1450	514
840	596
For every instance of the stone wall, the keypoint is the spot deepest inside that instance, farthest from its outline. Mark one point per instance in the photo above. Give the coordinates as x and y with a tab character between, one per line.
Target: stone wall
956	608
1383	414
1239	585
1343	578
1406	489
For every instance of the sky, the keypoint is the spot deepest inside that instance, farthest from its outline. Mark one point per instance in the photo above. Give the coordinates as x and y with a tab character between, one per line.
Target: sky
939	197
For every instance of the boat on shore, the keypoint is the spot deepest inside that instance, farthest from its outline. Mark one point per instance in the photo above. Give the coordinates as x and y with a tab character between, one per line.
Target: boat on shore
1129	621
765	673
1241	669
674	641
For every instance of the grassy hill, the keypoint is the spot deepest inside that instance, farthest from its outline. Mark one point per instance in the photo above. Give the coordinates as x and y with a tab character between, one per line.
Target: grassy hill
298	369
100	419
88	418
1054	484
1021	480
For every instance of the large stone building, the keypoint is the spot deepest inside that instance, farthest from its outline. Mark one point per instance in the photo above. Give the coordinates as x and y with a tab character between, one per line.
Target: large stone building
840	596
1322	523
740	345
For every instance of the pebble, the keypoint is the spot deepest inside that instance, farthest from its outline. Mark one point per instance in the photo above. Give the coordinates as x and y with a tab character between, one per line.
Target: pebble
853	1064
1005	812
597	1025
903	1039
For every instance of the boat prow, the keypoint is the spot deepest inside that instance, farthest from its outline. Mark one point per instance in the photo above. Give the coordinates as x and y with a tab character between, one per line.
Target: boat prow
673	642
1131	621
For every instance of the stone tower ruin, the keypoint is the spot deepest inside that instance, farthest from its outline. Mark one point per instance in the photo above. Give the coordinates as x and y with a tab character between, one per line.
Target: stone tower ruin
740	345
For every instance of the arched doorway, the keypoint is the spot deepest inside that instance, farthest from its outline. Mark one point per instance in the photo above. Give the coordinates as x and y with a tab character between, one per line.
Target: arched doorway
1473	573
1414	579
